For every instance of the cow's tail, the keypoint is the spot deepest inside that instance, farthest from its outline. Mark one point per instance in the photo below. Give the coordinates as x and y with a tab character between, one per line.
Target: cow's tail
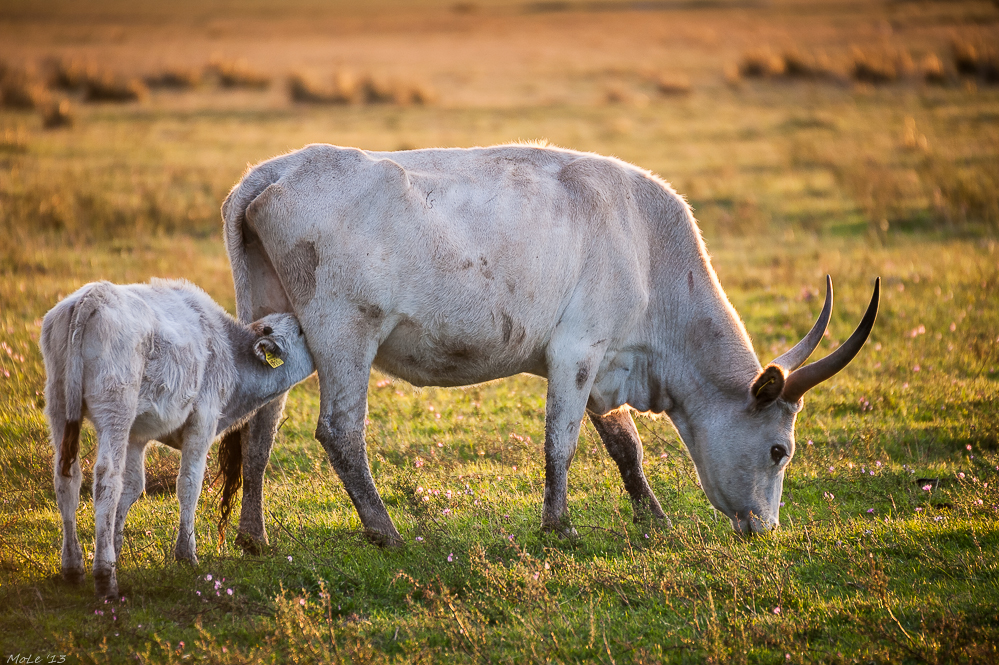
231	472
234	230
79	315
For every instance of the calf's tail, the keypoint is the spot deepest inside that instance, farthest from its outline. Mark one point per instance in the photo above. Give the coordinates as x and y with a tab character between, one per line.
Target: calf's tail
73	380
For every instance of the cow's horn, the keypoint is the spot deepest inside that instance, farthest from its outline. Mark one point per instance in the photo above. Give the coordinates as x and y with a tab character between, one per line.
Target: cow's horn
802	380
794	358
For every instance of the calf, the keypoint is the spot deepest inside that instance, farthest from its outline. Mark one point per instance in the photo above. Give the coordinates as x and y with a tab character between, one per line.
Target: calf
152	361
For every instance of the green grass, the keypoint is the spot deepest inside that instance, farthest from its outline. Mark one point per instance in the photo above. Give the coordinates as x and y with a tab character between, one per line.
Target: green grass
789	180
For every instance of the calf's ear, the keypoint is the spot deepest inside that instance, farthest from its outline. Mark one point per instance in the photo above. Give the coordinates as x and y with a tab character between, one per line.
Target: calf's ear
267	350
768	385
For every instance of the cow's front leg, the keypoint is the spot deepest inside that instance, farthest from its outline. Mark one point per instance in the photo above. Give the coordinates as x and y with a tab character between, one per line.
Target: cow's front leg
257	440
617	431
343	388
569	384
198	436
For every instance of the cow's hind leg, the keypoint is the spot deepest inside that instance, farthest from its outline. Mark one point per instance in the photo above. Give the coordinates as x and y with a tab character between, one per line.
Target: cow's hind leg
256	441
133	485
617	430
343	389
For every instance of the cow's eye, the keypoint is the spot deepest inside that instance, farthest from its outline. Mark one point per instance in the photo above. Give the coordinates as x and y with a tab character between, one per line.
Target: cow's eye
777	453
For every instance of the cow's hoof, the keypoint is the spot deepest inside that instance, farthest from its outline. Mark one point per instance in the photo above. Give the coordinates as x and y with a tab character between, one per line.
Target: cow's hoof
74	575
249	544
653	522
563	530
389	541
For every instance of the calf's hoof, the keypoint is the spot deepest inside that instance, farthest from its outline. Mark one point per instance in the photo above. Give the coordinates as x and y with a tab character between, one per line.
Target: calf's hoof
105	584
74	575
189	558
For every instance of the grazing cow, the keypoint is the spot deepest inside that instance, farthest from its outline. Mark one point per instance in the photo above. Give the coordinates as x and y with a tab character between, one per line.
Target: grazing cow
450	267
151	361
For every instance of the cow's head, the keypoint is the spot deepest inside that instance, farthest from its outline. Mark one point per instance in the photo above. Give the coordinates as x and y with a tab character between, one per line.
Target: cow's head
742	449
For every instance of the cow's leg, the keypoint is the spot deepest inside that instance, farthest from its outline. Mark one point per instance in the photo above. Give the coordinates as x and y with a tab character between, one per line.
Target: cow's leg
198	435
133	484
343	389
570	378
67	491
112	446
257	440
617	430
260	296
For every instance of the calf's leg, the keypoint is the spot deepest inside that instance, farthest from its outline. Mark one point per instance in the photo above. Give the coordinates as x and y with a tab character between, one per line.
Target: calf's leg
198	435
67	489
112	444
133	485
617	431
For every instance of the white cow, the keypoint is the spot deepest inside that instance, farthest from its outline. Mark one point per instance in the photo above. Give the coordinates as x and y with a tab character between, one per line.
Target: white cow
151	361
450	267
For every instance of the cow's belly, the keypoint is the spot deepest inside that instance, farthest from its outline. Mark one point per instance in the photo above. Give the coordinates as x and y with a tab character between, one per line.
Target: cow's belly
456	355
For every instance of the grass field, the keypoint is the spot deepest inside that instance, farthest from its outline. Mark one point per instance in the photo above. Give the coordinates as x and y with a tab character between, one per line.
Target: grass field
890	528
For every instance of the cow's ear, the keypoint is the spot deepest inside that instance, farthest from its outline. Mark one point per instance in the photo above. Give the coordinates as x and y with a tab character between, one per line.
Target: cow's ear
768	385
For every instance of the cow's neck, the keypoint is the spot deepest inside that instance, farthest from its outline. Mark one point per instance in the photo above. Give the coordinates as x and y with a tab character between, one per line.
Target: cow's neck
700	350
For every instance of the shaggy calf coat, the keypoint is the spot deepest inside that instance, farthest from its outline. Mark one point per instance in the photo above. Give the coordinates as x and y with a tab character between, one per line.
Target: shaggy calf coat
159	361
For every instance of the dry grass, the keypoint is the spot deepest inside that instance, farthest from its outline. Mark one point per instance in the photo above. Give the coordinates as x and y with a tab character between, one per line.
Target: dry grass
791	178
57	114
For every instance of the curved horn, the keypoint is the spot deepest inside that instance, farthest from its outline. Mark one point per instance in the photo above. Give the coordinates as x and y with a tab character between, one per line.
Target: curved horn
801	381
793	359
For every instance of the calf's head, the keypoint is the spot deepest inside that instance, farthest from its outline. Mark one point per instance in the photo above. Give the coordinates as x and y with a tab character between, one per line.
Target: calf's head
743	447
280	341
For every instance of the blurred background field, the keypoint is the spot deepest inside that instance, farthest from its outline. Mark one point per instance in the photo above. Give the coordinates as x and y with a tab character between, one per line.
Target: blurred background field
856	139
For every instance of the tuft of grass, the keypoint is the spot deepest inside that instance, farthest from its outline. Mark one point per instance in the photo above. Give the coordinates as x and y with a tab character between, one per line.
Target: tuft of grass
761	63
22	89
302	89
57	114
174	78
236	74
976	58
672	85
105	86
884	65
